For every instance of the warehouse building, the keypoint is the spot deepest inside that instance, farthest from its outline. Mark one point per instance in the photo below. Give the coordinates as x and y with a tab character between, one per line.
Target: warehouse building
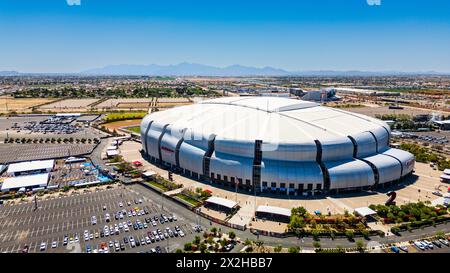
276	145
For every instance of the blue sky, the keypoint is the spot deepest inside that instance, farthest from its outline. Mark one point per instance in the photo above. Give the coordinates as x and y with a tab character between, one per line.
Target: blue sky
51	36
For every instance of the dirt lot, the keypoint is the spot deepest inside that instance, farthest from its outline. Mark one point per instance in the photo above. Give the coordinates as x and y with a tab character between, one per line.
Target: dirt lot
20	105
117	124
382	110
69	104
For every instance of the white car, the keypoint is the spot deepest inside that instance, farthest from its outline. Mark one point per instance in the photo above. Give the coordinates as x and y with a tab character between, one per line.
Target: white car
54	244
120	204
428	244
444	242
43	246
419	245
438	193
147	240
181	233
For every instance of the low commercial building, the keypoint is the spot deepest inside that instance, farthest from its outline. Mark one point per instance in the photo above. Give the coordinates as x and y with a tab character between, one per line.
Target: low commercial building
445	177
221	204
443	124
273	213
26	181
31	167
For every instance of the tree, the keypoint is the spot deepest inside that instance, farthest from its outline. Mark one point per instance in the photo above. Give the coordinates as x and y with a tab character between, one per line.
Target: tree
315	234
214	230
232	235
294	249
316	244
197	240
278	249
179	250
187	246
247	242
360	245
350	234
365	233
202	247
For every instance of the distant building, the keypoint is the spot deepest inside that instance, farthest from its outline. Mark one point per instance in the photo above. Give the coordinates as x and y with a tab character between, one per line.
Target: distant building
443	124
445	177
328	94
367	92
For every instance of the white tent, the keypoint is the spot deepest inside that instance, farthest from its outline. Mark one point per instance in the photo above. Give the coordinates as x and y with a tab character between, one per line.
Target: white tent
26	181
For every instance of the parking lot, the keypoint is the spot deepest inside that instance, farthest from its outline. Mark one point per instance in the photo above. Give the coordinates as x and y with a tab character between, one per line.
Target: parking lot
26	152
23	225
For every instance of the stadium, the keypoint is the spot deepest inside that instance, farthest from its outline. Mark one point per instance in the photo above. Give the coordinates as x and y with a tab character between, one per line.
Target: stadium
274	145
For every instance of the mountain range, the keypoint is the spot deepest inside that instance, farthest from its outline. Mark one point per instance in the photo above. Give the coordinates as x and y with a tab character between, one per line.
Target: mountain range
192	69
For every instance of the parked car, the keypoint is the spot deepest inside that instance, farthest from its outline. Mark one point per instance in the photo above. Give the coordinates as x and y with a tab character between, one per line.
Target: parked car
393	248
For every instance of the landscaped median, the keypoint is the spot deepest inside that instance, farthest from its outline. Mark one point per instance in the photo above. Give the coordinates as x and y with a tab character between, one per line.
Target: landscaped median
303	223
162	185
411	216
191	198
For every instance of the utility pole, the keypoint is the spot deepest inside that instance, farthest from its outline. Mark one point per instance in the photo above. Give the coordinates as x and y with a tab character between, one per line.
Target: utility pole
35	203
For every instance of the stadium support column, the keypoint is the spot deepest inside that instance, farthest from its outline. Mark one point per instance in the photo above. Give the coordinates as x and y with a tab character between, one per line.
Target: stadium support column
145	138
207	157
177	151
326	175
159	143
257	167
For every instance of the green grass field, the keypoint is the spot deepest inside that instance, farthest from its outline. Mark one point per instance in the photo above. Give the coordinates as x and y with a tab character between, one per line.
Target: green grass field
188	199
135	129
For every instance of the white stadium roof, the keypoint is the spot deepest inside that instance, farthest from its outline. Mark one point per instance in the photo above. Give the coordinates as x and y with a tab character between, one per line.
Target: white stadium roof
273	119
274	210
36	180
31	166
221	201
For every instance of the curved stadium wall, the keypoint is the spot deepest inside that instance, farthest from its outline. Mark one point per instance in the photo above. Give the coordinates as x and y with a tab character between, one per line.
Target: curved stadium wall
274	144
